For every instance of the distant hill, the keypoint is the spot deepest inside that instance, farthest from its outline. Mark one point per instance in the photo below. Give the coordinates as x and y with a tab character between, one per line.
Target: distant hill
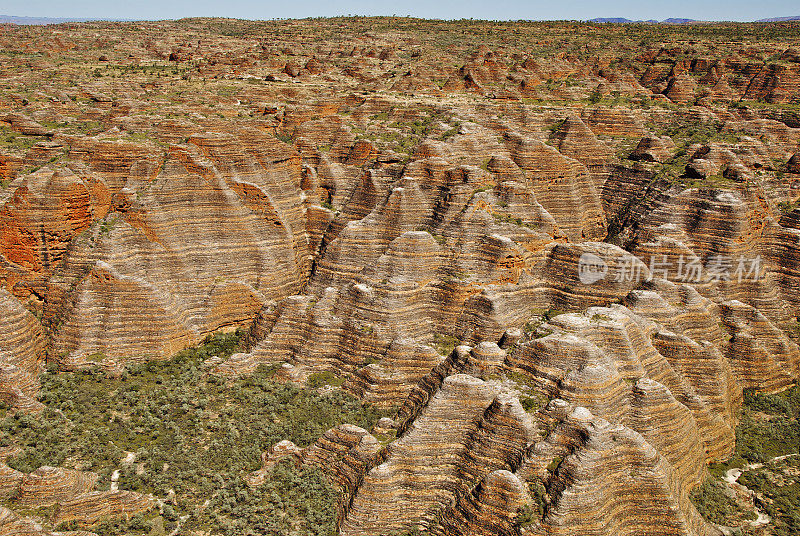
677	21
779	19
612	20
36	21
622	20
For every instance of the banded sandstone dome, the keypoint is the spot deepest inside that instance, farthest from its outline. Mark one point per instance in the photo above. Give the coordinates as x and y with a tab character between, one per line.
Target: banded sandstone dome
402	210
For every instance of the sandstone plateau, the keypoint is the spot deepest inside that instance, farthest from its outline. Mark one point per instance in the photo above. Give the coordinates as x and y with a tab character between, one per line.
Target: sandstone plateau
407	210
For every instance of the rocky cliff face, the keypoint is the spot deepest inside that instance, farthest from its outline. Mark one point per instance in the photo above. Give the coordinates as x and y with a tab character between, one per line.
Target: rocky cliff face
554	263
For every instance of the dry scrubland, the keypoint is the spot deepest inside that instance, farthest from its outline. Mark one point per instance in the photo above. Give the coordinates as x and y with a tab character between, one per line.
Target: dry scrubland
324	276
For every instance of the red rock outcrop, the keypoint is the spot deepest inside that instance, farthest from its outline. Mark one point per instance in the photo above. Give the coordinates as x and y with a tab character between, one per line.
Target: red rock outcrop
93	506
152	261
50	485
562	186
441	436
584	450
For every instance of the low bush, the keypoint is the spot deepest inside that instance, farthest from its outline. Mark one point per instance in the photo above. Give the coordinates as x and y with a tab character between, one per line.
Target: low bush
713	504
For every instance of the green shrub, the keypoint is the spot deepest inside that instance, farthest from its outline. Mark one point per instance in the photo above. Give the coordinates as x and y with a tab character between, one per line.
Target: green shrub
322	379
768	428
712	503
777	483
444	344
759	439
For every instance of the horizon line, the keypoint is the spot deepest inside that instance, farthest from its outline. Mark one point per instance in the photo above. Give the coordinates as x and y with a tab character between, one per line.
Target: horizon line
594	20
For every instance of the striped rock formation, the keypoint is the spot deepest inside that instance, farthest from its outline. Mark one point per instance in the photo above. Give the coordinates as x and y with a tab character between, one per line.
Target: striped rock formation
93	506
69	493
604	478
604	360
462	428
22	340
577	140
491	508
22	346
10	480
47	211
781	248
149	267
389	382
562	186
13	525
50	485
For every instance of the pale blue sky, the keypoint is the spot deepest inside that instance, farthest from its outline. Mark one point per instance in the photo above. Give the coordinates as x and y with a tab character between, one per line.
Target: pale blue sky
742	10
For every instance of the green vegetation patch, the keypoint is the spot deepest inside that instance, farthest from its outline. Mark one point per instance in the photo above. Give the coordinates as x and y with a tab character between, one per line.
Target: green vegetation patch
769	428
685	132
15	142
785	207
196	433
714	504
778	483
444	344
